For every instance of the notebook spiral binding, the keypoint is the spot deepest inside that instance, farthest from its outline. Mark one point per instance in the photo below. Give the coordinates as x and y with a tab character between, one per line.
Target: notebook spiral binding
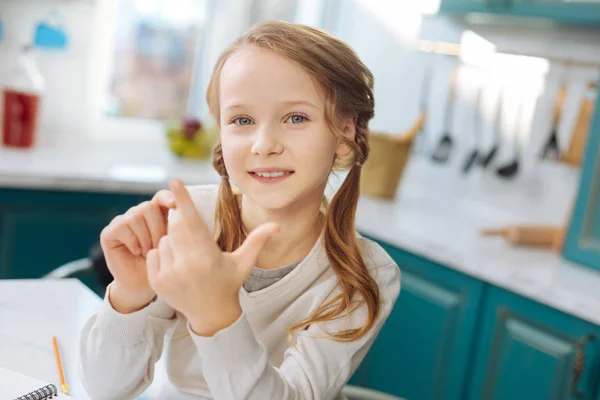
45	393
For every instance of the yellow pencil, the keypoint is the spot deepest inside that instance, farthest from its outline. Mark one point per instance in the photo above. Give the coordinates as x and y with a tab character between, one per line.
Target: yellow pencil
63	385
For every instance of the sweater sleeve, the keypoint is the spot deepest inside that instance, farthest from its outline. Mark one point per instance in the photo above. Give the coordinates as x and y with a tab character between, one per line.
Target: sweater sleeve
118	351
236	365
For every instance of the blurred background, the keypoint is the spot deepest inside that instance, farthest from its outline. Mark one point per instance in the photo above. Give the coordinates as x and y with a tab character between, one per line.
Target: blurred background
483	181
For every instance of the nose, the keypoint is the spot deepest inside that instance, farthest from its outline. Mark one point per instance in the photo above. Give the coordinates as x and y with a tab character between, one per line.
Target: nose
266	142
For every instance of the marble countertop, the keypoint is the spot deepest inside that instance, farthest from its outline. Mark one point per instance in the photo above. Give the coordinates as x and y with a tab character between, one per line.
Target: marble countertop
437	213
99	167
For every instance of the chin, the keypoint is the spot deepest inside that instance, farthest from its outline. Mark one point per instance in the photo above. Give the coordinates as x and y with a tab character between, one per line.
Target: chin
270	199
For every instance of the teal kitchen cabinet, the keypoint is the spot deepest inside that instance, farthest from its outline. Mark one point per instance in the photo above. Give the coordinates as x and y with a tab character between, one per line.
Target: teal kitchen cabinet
573	12
33	242
462	7
41	230
576	11
582	244
422	352
529	351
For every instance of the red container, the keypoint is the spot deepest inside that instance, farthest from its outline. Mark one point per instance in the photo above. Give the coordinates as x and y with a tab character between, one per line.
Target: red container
21	94
20	118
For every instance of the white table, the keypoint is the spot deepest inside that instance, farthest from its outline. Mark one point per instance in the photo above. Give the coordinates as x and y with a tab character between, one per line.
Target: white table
31	312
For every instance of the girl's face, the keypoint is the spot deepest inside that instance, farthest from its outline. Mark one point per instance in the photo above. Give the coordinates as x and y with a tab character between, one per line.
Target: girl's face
273	122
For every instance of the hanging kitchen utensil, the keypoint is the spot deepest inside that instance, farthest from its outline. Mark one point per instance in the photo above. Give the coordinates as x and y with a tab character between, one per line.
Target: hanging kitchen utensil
50	33
486	159
551	149
442	151
423	103
477	127
511	169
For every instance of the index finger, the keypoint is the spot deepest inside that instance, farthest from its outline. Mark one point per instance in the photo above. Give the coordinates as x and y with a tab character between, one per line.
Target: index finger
165	200
185	205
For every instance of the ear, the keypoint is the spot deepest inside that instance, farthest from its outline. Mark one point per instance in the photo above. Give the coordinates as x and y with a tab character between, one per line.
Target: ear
349	132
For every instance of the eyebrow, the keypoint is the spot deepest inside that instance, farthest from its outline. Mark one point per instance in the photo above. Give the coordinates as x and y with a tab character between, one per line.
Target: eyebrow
286	103
300	102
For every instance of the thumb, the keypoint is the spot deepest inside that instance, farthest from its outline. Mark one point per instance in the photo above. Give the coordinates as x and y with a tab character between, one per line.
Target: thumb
246	255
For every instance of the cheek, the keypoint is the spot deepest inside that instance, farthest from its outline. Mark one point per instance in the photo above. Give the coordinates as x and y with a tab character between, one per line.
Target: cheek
318	153
233	154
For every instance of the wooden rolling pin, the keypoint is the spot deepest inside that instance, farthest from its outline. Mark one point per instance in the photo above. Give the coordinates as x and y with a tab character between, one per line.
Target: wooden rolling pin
551	237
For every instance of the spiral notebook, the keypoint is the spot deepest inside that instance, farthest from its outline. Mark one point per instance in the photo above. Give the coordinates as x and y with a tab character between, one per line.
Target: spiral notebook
16	386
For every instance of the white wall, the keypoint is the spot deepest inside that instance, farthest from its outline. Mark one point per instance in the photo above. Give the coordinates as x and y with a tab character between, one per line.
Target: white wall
382	32
67	72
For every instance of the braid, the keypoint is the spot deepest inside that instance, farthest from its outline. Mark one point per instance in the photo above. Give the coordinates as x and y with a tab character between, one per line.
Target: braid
229	231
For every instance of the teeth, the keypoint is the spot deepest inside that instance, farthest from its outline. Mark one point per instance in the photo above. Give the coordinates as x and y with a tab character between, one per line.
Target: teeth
270	174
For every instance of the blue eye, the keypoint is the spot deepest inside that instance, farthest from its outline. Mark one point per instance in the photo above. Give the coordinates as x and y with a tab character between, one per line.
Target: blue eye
296	119
242	121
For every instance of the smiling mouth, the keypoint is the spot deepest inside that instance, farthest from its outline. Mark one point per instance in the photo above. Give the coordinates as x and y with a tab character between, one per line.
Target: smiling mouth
270	176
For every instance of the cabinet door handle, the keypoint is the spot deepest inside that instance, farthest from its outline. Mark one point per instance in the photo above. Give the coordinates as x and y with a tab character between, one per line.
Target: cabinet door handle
502	312
579	365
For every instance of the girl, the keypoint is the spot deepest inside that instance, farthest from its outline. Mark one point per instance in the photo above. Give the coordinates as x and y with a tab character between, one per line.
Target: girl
267	292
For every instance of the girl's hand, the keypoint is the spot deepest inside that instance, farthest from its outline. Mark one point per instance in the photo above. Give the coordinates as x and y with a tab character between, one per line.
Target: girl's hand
191	273
126	242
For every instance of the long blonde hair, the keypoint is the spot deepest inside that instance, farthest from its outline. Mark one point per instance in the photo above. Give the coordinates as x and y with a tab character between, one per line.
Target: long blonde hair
348	87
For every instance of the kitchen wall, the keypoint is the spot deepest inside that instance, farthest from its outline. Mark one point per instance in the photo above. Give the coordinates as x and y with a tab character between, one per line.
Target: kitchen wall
382	32
66	108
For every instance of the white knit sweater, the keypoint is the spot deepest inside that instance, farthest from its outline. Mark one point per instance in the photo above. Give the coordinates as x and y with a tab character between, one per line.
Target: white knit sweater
252	358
